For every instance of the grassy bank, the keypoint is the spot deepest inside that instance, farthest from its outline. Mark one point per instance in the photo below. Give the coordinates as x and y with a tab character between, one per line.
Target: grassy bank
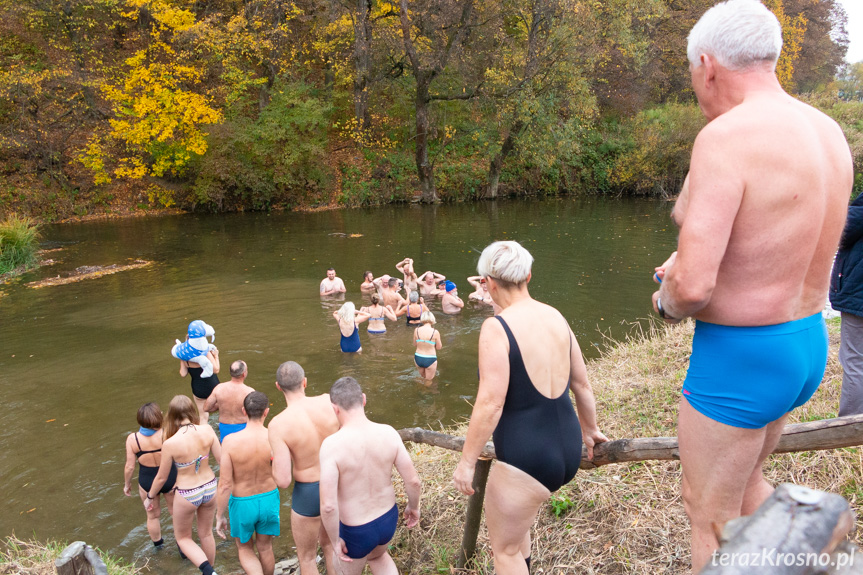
623	518
18	245
34	558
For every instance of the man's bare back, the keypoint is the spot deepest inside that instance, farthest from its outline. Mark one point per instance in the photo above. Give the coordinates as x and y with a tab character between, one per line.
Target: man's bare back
302	427
771	177
249	452
227	398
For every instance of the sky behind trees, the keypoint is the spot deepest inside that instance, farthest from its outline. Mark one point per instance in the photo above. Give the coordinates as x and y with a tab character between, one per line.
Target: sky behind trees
854	8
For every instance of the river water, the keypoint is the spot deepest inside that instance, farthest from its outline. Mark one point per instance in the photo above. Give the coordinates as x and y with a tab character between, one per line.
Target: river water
77	360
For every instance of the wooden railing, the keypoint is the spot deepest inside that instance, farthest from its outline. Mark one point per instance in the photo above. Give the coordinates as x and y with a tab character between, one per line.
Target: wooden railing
809	436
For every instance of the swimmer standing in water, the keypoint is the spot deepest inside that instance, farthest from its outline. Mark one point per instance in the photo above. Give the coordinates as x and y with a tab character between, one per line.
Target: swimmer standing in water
377	314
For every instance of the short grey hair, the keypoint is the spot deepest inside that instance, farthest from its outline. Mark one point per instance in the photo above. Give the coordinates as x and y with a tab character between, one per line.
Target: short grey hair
290	376
508	262
414	297
346	393
238	368
739	34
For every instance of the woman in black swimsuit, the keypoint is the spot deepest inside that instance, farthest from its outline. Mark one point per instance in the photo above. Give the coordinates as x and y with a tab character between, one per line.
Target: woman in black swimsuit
202	387
528	362
145	445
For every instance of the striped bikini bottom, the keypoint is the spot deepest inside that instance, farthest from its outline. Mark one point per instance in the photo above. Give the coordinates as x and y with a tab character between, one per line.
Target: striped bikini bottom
199	495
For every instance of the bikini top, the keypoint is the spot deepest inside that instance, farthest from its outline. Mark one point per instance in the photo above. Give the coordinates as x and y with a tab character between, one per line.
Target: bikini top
427	341
197	463
142	451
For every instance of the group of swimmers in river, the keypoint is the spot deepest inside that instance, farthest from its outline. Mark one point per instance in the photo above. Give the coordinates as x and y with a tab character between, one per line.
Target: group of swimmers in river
340	463
387	303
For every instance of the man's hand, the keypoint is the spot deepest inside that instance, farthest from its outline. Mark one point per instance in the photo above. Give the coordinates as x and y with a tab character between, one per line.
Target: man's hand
660	271
591	439
341	551
412	517
462	477
669	320
221	526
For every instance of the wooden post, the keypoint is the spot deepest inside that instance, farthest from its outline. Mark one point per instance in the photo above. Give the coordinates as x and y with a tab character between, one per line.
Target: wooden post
80	559
473	517
797	531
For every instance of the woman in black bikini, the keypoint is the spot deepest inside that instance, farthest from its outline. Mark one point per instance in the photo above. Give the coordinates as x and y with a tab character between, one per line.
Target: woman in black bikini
187	448
145	445
528	362
202	387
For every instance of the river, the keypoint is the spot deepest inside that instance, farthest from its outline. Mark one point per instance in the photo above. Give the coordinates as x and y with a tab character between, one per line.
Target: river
77	360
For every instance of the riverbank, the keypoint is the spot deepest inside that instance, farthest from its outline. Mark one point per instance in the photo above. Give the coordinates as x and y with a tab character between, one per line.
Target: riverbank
35	558
622	518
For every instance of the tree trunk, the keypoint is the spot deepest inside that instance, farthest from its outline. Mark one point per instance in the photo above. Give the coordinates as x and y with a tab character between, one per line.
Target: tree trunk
497	162
362	52
425	170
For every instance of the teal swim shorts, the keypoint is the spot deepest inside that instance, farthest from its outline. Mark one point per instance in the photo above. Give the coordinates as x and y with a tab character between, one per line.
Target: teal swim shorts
254	514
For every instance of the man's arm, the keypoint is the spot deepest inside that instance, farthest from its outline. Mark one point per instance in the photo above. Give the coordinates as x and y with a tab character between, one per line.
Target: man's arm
226	485
282	473
329	489
401	265
212	403
340	286
413	486
715	194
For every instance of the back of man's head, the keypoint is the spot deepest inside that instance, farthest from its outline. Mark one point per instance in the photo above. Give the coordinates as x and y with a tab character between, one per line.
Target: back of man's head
346	393
256	404
238	368
739	34
290	376
393	282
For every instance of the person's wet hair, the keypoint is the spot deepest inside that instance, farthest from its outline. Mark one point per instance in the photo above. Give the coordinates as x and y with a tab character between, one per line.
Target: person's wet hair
181	408
256	404
290	376
346	393
150	416
414	297
376	299
347	313
506	262
392	282
238	368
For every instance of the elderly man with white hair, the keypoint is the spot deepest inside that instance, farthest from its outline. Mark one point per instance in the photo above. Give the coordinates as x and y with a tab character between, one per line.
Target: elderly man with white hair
760	216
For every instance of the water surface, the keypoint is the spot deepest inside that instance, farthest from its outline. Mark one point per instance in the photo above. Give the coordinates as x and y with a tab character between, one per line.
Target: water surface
76	361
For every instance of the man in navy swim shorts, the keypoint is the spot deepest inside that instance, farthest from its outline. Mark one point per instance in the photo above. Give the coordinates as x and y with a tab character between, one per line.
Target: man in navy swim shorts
358	503
760	216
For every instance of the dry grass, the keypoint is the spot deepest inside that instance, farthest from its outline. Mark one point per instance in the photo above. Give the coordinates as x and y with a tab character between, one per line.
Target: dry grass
624	518
19	557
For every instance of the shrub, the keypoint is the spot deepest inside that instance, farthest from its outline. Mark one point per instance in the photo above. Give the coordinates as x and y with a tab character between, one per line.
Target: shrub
18	243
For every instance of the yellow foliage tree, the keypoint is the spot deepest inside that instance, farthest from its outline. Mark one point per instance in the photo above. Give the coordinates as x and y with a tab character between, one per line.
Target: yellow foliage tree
793	30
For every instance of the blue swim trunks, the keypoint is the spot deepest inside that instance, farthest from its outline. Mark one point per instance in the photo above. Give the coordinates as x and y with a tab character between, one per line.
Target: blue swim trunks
306	499
362	539
226	429
749	376
254	514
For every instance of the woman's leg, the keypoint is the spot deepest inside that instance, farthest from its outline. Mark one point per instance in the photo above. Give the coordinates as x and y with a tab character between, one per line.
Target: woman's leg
204	416
430	371
154	528
184	516
169	500
206	515
512	501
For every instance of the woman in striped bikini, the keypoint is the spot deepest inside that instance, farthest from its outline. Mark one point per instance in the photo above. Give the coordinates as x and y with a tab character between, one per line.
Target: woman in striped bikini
188	446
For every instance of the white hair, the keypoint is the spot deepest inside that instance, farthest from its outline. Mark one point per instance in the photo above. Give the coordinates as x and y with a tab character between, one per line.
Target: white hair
346	312
507	261
414	297
428	317
738	34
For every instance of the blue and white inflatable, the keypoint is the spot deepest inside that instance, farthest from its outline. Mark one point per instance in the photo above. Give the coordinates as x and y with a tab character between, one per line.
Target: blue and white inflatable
195	348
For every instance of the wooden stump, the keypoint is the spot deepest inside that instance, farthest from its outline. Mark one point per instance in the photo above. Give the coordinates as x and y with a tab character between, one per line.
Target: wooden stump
80	559
473	517
797	531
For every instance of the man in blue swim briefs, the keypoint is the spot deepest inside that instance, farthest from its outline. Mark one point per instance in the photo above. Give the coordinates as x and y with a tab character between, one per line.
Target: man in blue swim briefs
247	490
227	398
296	435
358	503
760	215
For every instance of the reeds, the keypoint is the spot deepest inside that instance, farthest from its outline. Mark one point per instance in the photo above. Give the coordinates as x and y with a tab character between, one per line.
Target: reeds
35	558
623	518
18	244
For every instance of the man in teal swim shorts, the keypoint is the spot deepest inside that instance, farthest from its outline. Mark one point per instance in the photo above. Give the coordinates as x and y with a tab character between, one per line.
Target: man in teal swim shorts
248	491
760	217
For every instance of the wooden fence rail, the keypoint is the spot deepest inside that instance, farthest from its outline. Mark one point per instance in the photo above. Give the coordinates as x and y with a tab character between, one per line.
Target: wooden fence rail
809	436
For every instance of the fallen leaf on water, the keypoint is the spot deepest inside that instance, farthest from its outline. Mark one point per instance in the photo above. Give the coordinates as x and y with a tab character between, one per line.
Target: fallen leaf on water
50	420
32	510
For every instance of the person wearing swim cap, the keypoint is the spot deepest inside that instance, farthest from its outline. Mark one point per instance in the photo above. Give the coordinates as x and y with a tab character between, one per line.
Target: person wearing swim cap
451	304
